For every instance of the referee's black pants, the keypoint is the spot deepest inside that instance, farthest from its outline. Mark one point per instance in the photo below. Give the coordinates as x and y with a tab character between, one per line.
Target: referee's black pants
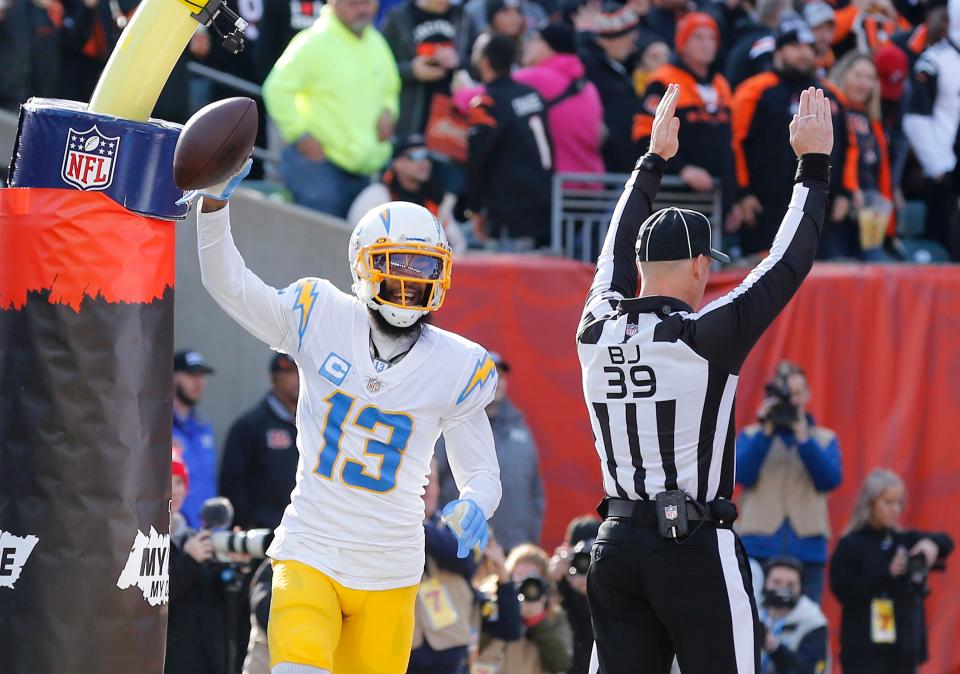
651	599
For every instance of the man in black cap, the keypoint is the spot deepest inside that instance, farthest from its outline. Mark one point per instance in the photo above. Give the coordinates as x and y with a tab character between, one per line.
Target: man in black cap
408	178
192	433
514	17
260	456
669	576
762	108
605	52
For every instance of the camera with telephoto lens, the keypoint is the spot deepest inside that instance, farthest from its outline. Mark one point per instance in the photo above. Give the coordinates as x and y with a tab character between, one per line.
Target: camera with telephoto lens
532	589
578	558
783	412
217	516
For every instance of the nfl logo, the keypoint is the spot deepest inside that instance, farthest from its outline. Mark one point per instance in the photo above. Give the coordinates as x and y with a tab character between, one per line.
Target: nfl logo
670	512
88	159
373	385
631	329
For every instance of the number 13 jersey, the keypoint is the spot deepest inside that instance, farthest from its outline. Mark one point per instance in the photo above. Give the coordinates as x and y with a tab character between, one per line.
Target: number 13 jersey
366	432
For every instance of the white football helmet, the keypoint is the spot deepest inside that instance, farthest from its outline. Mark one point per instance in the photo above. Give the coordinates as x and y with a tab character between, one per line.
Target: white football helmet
403	243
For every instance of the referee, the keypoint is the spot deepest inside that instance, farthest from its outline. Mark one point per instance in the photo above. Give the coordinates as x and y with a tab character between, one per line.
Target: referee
669	577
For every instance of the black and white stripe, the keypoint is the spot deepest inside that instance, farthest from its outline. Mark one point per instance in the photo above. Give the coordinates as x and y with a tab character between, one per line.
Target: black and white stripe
679	433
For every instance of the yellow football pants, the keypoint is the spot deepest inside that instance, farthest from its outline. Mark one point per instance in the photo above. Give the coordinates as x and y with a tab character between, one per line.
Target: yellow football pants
314	620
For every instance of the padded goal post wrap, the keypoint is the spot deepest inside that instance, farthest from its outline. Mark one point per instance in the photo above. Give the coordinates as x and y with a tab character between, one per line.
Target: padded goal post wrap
86	352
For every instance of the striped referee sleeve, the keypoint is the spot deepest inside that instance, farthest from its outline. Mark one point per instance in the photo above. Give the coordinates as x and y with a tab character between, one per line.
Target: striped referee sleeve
617	275
727	328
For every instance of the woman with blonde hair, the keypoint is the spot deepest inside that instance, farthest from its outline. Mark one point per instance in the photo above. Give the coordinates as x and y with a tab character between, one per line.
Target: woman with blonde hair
855	77
547	642
878	572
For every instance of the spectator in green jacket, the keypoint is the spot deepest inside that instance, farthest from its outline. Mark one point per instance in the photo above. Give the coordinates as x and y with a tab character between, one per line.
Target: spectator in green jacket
334	97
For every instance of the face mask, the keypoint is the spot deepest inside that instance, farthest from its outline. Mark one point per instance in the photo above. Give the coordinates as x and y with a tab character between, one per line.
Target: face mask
780	598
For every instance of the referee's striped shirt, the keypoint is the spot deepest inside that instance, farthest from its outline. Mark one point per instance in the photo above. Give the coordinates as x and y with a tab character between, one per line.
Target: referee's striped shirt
659	378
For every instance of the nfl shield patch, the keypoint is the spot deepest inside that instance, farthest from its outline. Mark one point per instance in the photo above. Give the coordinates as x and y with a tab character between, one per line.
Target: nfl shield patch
631	329
89	158
670	512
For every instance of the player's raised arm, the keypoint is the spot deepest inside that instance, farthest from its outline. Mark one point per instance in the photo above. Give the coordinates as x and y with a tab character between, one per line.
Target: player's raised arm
728	327
616	275
241	293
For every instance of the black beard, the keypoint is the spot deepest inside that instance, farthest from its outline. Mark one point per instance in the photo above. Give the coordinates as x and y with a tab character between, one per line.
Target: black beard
183	398
391	330
792	74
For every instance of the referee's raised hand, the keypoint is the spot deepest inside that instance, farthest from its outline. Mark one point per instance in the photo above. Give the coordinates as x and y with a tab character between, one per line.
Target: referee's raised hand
811	131
663	136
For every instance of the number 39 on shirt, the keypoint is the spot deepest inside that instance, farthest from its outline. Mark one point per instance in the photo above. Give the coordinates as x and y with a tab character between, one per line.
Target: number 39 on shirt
627	376
353	473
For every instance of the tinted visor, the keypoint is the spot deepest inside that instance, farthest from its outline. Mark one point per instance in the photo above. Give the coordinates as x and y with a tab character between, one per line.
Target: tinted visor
408	265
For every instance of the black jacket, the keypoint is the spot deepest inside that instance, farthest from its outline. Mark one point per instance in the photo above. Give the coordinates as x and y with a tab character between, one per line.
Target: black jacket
399	30
196	633
280	22
860	573
510	161
750	55
578	613
762	109
705	135
620	105
259	467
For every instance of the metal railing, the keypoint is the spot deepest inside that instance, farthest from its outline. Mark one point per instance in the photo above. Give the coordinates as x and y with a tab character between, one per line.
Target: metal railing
582	204
269	154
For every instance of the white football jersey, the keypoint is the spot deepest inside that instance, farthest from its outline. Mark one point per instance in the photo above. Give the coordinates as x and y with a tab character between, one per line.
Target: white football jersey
366	432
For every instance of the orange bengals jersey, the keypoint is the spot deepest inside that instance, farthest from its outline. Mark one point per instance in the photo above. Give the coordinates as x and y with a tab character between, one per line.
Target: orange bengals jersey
703	108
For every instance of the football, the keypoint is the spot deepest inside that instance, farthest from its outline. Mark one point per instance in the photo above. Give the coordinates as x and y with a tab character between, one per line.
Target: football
214	143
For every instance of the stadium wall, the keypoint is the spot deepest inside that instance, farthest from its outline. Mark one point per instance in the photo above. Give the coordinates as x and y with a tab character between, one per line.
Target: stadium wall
879	345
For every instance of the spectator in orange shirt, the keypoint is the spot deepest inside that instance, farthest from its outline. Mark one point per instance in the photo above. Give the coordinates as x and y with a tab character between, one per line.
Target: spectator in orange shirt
703	109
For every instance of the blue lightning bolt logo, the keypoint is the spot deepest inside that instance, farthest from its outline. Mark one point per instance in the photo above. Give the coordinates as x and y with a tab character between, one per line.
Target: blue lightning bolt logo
483	371
305	300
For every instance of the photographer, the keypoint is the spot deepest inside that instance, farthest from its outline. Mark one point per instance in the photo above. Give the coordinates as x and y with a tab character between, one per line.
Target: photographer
445	601
547	642
788	464
197	635
195	628
793	628
568	568
879	574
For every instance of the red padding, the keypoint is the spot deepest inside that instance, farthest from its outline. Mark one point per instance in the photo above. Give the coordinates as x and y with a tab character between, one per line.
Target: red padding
80	243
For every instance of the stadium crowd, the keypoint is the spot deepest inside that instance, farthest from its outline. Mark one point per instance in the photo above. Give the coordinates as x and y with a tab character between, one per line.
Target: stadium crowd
520	609
469	109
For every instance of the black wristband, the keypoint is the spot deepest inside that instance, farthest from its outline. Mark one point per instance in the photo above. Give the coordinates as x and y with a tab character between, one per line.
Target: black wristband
652	162
813	167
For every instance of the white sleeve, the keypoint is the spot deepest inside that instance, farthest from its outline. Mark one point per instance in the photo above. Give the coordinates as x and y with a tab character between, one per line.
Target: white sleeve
260	308
473	460
468	437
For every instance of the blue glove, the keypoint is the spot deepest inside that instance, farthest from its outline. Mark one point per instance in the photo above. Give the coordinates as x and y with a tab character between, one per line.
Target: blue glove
220	191
468	523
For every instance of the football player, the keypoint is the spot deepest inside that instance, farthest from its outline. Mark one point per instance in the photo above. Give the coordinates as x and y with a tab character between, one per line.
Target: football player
378	386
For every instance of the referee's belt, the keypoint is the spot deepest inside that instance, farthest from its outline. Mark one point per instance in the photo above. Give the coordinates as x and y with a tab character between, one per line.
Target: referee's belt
721	512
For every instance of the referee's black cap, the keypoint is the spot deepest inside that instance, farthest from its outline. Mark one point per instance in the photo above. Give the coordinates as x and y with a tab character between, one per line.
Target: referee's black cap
676	234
